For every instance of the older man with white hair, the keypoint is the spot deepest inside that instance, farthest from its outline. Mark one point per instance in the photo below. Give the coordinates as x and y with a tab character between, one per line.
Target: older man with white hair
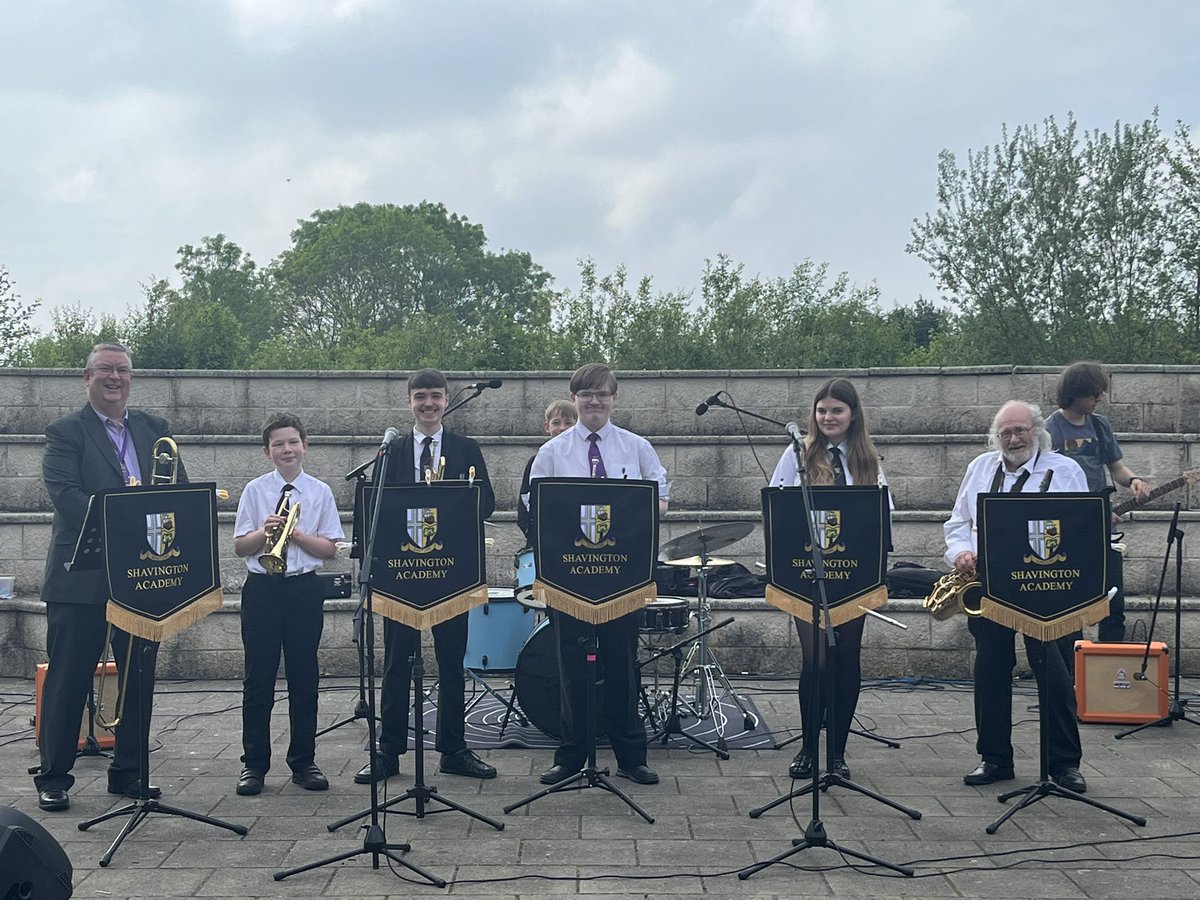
1018	461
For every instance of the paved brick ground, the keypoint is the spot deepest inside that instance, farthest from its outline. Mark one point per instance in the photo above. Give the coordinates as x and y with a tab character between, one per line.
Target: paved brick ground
589	843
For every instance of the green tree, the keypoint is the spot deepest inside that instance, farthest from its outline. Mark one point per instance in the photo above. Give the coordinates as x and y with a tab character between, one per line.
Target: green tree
74	332
16	322
1056	246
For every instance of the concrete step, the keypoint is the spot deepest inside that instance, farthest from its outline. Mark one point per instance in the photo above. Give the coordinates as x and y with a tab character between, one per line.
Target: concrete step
709	472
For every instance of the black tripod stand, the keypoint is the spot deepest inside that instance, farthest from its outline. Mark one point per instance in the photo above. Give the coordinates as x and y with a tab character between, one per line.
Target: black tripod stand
141	808
1045	786
1177	711
815	834
671	725
422	793
362	709
590	776
375	841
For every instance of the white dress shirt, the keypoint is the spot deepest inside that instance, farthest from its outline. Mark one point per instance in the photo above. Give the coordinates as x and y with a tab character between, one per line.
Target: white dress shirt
787	473
960	528
625	454
435	451
318	516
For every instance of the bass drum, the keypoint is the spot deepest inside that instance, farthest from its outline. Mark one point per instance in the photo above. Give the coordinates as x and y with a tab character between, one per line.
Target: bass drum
539	689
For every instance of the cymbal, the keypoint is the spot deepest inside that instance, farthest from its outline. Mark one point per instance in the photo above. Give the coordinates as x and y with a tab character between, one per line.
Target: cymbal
705	540
694	562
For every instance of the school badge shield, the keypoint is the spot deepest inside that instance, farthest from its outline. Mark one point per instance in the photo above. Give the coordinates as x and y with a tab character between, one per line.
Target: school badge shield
422	526
827	525
1045	536
595	521
160	535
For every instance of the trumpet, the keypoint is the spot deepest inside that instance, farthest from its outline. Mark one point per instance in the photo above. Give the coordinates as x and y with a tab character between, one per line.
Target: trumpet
274	560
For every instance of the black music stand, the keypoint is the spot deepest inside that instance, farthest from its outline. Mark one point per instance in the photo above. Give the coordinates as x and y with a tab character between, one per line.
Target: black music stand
815	834
89	554
375	840
1177	711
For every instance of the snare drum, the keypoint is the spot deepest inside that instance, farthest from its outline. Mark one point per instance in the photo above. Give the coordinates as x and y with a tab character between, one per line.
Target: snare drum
524	574
666	615
496	632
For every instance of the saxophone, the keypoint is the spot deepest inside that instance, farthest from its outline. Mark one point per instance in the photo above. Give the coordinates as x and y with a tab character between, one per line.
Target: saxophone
961	591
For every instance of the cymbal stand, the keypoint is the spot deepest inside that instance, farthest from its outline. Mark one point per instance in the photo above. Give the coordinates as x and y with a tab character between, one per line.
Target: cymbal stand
590	776
141	808
1177	710
671	725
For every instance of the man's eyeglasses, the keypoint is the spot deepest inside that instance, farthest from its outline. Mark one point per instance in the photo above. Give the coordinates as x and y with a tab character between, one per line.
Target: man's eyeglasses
1009	433
107	370
594	395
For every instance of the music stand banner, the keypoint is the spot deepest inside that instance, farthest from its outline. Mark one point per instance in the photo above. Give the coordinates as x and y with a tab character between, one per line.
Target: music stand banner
429	563
853	525
595	543
160	556
1043	561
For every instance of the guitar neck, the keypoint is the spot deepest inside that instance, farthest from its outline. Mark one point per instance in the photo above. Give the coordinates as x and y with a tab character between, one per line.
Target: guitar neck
1134	503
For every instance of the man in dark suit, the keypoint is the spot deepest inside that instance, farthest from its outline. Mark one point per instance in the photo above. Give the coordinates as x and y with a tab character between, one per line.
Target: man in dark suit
428	446
104	445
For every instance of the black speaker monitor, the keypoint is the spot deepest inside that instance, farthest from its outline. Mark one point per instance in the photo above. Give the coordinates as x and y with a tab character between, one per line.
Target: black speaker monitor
33	866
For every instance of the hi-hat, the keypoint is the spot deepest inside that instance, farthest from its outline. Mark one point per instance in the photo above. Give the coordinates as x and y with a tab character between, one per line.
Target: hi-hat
695	562
705	540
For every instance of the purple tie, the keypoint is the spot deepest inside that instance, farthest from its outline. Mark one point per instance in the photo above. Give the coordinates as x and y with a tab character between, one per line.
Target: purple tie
595	460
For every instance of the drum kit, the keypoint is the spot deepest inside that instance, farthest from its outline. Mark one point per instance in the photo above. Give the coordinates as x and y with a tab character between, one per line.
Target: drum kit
511	635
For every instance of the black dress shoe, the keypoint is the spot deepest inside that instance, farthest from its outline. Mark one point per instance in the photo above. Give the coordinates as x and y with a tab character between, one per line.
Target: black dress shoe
465	762
250	783
118	783
639	774
53	800
987	773
801	767
310	778
555	774
839	767
386	765
1069	777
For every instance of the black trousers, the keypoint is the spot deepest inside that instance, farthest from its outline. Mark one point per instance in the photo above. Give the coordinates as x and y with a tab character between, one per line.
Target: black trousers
616	644
450	646
840	683
74	642
281	615
1051	661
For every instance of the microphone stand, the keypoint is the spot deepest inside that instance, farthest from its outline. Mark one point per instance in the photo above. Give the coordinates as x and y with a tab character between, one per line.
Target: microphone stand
815	834
1177	711
374	841
459	404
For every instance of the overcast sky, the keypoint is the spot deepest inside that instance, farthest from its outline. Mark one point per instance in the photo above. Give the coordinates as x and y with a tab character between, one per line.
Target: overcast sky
653	134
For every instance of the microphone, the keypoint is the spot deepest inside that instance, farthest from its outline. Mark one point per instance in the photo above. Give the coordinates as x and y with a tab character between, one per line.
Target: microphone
388	437
714	400
483	385
794	432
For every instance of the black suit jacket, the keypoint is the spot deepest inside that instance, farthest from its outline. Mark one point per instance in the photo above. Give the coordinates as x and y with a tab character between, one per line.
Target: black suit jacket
461	453
79	461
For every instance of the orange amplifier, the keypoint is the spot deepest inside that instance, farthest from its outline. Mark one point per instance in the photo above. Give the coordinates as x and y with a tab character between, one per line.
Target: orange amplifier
1107	688
104	737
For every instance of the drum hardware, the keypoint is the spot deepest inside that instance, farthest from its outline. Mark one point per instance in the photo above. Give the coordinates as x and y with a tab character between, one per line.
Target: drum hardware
524	575
671	723
666	615
496	632
693	551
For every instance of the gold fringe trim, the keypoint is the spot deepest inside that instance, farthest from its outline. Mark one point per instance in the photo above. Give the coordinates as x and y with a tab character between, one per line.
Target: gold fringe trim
595	613
838	615
1036	628
158	631
424	619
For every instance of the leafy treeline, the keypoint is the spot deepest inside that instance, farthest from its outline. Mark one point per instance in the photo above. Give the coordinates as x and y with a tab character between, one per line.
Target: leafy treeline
1048	247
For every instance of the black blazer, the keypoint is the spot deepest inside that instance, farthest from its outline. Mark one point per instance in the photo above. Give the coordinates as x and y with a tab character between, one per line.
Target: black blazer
79	461
461	453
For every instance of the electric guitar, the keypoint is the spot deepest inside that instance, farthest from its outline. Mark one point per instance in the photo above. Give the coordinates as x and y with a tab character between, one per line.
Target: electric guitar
1191	476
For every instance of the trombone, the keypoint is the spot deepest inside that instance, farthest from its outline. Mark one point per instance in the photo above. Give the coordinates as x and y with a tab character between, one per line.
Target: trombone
164	469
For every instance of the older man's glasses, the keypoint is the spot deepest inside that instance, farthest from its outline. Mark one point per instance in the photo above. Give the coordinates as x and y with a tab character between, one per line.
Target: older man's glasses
1008	434
108	371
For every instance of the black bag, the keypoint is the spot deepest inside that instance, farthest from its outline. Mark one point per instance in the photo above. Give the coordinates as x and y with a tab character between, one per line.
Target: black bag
907	580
